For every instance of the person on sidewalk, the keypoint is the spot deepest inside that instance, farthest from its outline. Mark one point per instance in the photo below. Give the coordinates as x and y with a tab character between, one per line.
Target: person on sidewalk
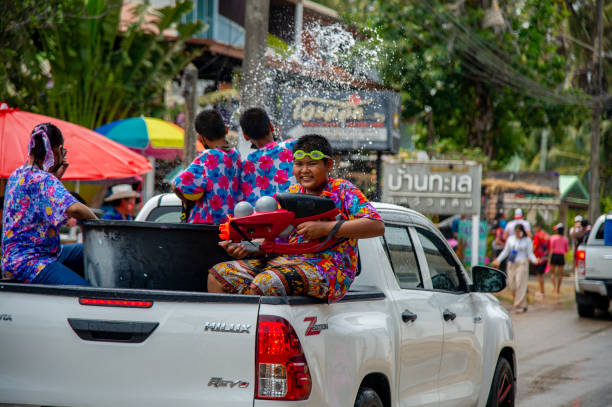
519	250
541	246
559	245
518	220
122	199
498	243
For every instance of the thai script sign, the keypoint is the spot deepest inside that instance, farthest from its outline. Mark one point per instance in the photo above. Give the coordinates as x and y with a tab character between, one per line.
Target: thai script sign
442	187
350	120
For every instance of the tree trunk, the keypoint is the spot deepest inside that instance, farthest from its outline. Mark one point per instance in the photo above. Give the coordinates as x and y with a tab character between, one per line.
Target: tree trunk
480	132
594	180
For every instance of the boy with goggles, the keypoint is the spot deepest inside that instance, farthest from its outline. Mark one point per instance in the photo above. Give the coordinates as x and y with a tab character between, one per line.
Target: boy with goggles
327	274
314	155
268	169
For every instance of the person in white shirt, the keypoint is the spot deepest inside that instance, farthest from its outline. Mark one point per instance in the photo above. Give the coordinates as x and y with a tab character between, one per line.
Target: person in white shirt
519	251
518	220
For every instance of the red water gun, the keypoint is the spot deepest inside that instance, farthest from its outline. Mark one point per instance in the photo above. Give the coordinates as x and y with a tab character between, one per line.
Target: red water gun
277	217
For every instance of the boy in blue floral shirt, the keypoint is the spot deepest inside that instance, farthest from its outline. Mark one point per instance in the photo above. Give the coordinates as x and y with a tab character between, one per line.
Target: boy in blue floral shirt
269	169
212	180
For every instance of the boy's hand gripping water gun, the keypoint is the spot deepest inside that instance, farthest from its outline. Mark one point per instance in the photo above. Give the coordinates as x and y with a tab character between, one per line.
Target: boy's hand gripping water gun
269	222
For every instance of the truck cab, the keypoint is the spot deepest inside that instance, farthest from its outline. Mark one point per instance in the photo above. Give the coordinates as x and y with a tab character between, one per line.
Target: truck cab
593	276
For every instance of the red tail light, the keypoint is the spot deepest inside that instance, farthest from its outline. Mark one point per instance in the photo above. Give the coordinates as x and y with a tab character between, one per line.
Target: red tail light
580	262
115	303
281	369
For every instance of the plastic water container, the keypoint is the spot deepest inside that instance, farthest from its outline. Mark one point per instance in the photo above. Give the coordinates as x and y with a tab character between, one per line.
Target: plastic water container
608	231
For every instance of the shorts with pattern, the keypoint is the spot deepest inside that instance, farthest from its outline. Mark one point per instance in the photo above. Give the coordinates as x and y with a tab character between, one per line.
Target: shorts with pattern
278	276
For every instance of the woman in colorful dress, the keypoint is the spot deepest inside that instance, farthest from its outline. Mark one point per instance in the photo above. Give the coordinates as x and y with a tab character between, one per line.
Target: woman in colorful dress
36	204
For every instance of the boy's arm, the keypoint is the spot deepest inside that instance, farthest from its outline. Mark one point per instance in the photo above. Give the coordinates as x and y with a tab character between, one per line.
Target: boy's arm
361	228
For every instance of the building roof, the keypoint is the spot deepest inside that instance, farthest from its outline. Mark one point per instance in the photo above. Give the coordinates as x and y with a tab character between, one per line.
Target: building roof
523	182
572	190
497	186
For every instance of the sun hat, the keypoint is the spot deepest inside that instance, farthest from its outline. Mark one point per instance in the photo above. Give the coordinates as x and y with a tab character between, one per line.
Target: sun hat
518	213
121	191
578	218
558	226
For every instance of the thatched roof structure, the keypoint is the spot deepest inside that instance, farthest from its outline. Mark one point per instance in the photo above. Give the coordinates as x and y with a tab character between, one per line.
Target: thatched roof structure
493	186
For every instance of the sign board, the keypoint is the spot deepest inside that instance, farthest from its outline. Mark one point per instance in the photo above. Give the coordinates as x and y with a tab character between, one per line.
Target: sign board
465	240
350	120
436	187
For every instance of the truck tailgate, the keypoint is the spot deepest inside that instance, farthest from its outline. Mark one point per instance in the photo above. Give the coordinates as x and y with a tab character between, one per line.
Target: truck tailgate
56	351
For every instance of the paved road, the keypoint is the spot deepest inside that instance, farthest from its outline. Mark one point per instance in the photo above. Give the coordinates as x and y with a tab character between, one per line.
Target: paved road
563	360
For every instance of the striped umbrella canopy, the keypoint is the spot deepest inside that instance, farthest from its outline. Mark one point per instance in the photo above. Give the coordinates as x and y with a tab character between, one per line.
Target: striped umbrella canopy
149	136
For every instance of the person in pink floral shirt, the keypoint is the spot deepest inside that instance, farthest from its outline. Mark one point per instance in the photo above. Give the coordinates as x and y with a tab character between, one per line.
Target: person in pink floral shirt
327	274
269	169
36	204
212	182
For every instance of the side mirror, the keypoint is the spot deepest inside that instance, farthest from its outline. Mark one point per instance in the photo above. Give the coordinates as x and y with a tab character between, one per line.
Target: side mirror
487	279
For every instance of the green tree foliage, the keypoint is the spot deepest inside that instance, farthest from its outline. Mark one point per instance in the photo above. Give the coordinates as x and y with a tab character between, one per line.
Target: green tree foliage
24	73
95	70
490	76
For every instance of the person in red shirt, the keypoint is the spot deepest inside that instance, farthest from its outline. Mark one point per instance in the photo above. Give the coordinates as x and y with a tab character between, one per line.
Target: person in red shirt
540	249
559	245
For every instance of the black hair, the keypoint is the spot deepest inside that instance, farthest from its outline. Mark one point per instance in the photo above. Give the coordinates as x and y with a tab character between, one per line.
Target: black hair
55	138
255	123
584	223
311	142
210	125
560	230
521	228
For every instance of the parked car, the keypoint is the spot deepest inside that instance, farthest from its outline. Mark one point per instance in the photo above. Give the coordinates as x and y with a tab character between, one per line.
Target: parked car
414	330
593	274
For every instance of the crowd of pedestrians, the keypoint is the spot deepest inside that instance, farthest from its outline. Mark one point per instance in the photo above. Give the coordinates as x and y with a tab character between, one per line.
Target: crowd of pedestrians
514	247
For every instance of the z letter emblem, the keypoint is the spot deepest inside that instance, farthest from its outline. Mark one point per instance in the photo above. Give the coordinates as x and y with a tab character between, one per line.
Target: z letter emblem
313	327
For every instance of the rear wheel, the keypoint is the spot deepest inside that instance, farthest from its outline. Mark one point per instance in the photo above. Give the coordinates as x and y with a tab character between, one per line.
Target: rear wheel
603	304
367	398
585	311
502	388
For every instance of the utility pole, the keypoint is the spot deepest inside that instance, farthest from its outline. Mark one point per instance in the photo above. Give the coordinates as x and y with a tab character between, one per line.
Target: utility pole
190	78
254	69
253	88
594	180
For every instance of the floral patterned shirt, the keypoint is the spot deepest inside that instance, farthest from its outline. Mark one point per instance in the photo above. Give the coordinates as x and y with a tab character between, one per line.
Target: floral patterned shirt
34	208
339	263
216	174
267	170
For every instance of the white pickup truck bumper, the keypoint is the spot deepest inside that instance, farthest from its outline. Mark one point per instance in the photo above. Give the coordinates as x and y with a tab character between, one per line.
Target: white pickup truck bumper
592	286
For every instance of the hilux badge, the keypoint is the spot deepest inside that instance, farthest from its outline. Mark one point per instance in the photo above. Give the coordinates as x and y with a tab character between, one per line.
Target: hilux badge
224	327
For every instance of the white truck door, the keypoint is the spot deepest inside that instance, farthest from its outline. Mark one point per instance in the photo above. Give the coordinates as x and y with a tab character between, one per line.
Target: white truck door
73	346
462	356
418	320
598	259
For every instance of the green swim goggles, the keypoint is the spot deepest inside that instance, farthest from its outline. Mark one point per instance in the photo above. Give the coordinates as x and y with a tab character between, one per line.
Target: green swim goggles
314	154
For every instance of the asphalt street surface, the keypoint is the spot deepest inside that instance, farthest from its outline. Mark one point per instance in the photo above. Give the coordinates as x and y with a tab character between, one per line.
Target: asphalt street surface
563	360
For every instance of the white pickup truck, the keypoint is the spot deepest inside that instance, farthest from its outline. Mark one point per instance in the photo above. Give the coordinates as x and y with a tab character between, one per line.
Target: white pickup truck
594	271
414	330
